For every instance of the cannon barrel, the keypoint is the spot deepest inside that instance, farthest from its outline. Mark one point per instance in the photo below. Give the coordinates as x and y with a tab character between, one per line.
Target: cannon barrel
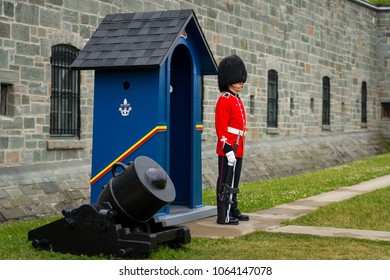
120	224
139	190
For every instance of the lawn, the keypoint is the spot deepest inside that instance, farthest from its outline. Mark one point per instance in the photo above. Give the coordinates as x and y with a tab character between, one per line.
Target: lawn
369	211
262	245
379	2
265	194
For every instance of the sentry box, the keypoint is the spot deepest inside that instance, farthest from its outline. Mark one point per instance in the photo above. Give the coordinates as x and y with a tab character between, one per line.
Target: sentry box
147	101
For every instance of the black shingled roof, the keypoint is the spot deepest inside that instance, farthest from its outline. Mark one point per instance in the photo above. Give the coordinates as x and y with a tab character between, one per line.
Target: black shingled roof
141	40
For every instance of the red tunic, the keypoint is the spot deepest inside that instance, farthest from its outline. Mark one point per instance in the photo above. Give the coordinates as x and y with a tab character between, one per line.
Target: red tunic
229	112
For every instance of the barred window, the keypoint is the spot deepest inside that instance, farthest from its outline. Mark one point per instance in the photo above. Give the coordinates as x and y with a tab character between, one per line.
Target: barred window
272	103
251	104
325	101
65	92
5	97
385	111
364	102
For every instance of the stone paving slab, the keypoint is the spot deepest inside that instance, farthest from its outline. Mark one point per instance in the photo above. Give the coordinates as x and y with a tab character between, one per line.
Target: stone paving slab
334	232
271	219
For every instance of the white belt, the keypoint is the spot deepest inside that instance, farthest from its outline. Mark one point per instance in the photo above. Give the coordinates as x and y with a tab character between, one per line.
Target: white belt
236	131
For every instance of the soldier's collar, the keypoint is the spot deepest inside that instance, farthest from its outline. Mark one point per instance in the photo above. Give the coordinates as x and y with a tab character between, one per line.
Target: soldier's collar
232	93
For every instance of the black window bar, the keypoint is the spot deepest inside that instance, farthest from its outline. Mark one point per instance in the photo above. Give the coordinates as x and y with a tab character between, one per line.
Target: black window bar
4	100
364	102
272	103
325	101
65	93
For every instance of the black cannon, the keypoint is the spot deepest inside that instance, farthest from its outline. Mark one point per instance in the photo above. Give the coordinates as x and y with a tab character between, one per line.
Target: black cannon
121	223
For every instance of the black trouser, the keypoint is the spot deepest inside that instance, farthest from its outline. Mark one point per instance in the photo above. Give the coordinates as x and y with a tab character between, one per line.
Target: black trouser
222	168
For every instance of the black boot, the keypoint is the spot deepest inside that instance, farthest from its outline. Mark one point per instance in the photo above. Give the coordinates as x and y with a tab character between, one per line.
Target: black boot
222	207
241	217
232	221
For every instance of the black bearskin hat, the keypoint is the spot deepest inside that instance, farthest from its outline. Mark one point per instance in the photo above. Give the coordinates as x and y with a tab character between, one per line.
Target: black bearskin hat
231	70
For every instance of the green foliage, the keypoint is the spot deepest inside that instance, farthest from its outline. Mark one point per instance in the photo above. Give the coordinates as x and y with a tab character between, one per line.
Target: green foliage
255	196
379	2
370	211
271	246
262	245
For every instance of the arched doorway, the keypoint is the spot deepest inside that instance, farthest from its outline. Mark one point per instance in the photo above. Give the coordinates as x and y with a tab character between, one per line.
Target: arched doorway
180	123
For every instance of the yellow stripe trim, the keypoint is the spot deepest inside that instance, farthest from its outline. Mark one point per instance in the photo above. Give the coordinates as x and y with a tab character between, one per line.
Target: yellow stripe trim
128	151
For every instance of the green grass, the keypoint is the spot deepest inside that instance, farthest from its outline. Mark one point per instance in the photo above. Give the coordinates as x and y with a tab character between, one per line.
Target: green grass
379	2
369	211
15	246
265	194
261	245
272	246
258	245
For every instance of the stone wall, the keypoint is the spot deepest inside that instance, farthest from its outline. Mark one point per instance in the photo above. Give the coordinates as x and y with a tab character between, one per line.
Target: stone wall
43	189
273	158
302	40
383	64
31	191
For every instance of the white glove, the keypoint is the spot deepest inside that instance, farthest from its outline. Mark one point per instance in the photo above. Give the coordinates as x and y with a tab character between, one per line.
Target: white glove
231	158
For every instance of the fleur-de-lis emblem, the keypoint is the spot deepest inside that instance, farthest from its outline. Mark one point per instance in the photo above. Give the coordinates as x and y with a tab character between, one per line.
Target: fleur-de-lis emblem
183	34
125	108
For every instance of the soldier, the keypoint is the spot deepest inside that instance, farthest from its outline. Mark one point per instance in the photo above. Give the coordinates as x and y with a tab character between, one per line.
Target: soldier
230	126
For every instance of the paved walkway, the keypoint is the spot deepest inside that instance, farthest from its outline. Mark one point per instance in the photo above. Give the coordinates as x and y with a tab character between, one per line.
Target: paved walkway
270	219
